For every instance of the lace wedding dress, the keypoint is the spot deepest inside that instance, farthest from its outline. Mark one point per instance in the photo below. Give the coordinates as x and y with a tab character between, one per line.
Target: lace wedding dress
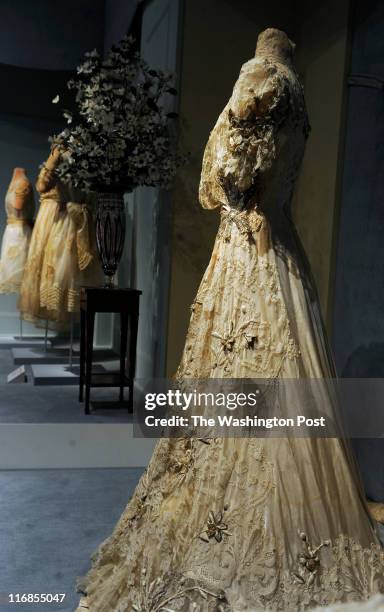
230	524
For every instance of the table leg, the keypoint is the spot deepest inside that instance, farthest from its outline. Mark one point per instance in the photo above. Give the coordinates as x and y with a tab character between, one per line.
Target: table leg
82	355
123	350
90	325
132	356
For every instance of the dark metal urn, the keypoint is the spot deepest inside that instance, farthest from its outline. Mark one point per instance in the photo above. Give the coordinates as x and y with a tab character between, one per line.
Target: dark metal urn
110	232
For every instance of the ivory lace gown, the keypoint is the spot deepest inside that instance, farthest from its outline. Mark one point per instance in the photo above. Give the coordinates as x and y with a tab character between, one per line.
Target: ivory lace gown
247	524
20	206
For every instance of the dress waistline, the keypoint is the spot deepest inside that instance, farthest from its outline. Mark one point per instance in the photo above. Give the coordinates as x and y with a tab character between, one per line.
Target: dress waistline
248	222
13	221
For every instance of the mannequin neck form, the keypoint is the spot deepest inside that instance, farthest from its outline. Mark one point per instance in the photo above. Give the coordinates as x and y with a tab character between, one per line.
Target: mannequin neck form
275	45
19	173
272	53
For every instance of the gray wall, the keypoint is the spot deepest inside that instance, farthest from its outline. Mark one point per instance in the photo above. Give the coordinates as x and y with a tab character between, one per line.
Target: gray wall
49	34
358	321
118	17
359	299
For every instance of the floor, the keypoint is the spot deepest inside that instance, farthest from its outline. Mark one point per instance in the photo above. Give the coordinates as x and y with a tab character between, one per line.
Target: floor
51	521
25	403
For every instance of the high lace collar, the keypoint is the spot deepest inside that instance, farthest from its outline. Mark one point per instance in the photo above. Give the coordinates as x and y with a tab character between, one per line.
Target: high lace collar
274	58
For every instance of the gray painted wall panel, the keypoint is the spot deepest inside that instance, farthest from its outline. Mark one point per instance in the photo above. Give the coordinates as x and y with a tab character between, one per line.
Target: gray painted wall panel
358	322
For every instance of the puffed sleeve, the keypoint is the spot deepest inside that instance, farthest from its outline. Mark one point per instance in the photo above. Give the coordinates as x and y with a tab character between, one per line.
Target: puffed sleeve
244	146
211	194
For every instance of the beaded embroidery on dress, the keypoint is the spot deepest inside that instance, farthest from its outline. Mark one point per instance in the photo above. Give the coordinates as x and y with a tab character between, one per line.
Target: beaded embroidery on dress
237	525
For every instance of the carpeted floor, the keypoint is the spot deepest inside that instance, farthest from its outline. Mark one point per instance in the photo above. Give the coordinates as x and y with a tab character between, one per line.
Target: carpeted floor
25	403
51	521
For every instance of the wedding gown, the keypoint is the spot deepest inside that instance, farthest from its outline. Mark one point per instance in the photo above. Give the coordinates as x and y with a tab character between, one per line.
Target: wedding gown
62	255
236	524
20	206
70	258
53	195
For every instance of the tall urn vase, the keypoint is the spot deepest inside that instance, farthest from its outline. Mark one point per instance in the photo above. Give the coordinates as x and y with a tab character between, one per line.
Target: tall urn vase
110	233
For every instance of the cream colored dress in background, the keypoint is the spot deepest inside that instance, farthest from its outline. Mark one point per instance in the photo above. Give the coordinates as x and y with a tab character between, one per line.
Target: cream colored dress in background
247	524
62	255
17	234
53	196
70	259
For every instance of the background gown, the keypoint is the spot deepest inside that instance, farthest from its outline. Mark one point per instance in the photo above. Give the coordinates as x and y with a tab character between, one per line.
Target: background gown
247	524
53	195
70	258
62	255
17	234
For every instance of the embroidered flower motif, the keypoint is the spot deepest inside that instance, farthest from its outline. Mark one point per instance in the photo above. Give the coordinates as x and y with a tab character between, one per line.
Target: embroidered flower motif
215	528
227	340
183	460
156	594
308	561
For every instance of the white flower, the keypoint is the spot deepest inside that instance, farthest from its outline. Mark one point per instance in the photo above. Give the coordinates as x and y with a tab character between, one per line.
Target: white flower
56	99
67	116
93	53
122	136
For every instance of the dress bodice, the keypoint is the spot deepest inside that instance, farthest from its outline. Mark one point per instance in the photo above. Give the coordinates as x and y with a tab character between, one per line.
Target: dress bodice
254	152
19	200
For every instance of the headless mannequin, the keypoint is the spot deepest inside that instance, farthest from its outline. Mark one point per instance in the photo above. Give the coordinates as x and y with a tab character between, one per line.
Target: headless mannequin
21	189
19	203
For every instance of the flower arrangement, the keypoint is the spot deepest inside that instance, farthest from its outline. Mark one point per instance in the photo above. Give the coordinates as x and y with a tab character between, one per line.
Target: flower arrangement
119	135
